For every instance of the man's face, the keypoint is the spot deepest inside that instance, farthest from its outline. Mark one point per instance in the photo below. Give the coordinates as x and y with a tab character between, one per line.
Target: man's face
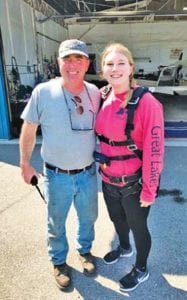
73	67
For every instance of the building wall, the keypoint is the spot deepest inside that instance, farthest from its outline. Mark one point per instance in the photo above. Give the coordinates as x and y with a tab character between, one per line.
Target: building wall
30	51
151	43
32	44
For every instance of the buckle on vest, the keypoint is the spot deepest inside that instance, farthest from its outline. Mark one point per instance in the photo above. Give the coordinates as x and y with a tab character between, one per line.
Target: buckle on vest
123	179
134	102
116	180
132	147
111	143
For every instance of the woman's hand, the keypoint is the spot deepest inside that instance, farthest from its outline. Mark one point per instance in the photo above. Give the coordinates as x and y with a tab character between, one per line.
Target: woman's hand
144	203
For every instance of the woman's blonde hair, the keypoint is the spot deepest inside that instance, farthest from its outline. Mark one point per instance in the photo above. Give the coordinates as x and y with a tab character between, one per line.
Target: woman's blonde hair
118	47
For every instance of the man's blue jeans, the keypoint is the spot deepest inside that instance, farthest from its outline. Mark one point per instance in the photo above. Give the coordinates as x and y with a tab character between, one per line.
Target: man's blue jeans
61	190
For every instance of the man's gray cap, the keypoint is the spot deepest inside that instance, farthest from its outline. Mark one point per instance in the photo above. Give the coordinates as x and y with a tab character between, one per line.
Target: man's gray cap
73	46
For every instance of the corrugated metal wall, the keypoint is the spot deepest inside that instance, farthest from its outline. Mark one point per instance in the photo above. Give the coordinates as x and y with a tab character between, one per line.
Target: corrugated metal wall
31	45
29	41
151	43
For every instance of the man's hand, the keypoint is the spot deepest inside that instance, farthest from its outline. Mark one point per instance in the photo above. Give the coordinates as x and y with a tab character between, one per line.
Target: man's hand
27	172
27	142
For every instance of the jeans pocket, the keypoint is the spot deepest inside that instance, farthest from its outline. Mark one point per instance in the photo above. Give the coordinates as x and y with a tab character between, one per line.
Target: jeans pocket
92	170
48	174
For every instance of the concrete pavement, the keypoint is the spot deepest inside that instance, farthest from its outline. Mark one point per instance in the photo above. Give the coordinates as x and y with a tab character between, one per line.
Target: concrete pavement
26	273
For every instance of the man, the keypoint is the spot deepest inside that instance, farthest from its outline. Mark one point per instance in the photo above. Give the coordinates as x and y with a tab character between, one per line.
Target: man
65	108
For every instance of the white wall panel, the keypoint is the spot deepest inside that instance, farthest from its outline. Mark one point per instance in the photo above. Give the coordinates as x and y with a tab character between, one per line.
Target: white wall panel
151	43
145	40
18	26
6	28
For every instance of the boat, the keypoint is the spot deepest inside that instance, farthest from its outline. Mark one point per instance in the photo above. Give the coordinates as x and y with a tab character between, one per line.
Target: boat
171	90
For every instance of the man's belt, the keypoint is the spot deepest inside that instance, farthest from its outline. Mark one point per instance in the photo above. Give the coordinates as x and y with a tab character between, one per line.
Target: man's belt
123	179
70	172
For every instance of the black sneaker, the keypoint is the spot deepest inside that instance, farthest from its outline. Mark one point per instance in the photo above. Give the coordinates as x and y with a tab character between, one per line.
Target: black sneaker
130	281
113	256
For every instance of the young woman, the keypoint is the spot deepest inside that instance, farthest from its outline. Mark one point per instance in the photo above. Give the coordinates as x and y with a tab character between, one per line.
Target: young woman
131	137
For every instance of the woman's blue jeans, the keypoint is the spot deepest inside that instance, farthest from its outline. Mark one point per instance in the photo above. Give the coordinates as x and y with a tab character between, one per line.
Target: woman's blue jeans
61	190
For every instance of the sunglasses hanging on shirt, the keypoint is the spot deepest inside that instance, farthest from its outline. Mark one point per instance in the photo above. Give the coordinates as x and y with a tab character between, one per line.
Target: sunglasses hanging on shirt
78	102
81	118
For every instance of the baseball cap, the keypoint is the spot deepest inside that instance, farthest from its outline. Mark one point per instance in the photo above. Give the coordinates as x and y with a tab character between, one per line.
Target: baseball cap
72	47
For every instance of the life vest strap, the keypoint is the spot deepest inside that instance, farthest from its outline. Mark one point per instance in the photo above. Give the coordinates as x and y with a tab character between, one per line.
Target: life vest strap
123	179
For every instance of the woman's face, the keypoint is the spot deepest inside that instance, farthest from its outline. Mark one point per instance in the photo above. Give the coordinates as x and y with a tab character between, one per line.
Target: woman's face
73	67
117	69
